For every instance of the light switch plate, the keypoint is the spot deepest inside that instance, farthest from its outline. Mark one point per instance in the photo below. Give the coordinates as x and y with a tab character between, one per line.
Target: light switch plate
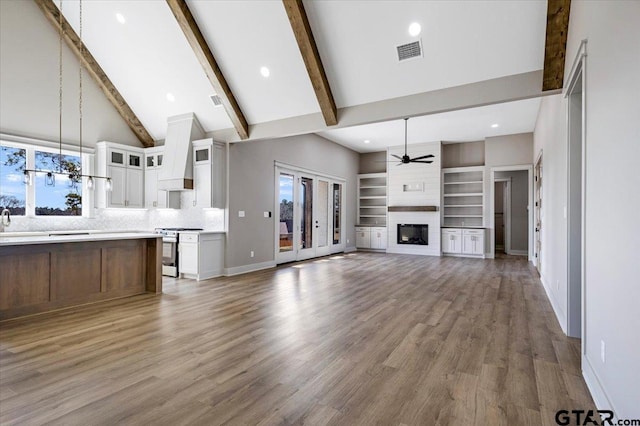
241	213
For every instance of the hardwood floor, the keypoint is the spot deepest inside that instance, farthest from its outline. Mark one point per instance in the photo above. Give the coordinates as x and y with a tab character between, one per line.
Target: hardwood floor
362	338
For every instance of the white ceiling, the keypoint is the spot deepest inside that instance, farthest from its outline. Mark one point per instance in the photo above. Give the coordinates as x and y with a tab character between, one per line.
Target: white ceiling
464	42
466	125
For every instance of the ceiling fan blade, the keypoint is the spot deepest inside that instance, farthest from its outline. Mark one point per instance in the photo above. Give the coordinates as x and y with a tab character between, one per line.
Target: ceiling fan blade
422	161
423	157
399	158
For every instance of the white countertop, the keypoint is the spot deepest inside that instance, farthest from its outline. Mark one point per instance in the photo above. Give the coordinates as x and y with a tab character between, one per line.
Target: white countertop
202	232
26	238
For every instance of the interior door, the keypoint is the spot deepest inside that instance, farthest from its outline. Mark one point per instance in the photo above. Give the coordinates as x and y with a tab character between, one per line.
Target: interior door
538	214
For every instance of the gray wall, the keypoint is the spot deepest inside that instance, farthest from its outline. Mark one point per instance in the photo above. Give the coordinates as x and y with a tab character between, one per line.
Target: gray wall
29	84
519	214
509	150
462	154
611	291
373	162
251	189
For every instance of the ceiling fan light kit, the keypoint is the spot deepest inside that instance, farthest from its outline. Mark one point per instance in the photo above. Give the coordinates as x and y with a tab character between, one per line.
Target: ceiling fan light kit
405	159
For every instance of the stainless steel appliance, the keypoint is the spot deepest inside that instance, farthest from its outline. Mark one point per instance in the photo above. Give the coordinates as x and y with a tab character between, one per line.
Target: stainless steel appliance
170	240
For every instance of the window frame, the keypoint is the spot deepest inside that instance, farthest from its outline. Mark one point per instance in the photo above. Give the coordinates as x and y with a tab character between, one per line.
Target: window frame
33	145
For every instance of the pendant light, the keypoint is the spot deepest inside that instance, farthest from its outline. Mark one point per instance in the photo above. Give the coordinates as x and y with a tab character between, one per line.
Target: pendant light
74	176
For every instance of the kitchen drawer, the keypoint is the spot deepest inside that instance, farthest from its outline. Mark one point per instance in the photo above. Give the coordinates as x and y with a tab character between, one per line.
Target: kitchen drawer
188	237
363	229
451	231
473	231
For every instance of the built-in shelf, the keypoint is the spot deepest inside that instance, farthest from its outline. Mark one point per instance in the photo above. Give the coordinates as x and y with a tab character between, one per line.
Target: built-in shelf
463	187
372	199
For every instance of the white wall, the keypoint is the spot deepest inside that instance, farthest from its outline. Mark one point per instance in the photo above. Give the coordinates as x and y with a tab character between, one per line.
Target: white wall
428	177
29	84
612	138
550	137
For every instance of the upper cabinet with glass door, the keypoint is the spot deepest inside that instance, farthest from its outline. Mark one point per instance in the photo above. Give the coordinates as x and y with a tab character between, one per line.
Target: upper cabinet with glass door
123	165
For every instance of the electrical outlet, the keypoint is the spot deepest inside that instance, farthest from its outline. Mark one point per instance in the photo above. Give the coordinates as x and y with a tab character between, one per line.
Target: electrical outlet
251	253
241	213
347	241
602	351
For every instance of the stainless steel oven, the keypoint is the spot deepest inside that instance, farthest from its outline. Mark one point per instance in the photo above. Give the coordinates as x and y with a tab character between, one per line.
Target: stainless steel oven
170	240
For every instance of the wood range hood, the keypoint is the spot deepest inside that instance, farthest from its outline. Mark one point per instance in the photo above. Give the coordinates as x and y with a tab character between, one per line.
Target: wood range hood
412	208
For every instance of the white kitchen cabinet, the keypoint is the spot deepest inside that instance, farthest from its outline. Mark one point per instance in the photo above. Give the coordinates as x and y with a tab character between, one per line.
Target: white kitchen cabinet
124	166
201	254
451	241
363	237
379	238
153	197
473	242
209	174
463	242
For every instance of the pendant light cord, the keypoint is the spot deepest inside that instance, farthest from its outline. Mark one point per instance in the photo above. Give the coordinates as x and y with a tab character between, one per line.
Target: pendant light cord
80	89
405	135
60	93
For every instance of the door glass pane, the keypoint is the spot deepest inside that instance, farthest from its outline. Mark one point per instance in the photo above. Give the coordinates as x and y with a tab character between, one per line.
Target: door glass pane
322	220
134	160
150	161
306	210
286	212
337	207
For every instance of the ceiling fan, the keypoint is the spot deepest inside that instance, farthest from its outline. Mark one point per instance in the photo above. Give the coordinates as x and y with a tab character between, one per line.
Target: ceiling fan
405	159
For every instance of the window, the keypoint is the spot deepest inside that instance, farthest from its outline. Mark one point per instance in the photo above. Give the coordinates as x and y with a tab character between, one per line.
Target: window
12	189
58	194
55	189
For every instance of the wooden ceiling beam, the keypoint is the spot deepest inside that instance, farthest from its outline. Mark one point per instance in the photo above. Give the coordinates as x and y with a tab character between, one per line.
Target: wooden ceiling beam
555	45
309	50
52	13
201	49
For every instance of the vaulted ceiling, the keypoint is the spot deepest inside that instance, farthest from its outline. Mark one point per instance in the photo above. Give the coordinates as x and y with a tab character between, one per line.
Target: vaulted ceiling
474	54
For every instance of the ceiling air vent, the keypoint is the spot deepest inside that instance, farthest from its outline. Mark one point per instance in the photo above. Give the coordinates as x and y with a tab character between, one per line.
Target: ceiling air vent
216	100
409	51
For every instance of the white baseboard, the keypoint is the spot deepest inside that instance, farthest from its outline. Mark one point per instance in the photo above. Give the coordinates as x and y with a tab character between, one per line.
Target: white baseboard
560	315
350	249
237	270
595	387
518	252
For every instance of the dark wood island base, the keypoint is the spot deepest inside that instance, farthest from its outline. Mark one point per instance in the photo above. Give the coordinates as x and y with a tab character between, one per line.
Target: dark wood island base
41	277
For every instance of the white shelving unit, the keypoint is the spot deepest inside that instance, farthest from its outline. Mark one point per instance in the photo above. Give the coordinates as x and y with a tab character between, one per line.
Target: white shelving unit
463	197
372	199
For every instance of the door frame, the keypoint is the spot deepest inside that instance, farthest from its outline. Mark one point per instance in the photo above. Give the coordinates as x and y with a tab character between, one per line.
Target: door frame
492	226
297	172
576	291
506	215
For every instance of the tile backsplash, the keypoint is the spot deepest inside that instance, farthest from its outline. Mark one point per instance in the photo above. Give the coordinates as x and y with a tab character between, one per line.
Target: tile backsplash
125	219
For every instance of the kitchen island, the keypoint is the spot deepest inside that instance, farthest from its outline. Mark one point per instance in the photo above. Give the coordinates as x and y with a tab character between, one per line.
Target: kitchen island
41	272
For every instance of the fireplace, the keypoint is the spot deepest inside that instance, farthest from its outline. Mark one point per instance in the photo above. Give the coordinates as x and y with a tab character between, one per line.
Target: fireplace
413	234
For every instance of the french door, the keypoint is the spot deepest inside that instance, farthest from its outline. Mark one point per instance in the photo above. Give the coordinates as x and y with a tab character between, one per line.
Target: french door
310	215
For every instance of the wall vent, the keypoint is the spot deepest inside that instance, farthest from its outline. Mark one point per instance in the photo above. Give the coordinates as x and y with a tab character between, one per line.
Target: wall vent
409	51
217	101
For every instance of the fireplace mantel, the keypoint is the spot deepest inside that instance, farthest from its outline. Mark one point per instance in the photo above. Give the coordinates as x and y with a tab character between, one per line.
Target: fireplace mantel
412	208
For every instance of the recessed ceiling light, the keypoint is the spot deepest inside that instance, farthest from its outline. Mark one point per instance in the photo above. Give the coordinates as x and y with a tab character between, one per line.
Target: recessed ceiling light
367	141
170	97
494	125
414	29
265	71
120	18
